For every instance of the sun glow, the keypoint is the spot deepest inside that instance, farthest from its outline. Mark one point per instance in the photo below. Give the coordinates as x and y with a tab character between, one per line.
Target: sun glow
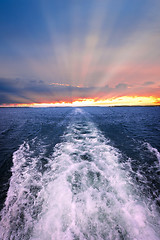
120	101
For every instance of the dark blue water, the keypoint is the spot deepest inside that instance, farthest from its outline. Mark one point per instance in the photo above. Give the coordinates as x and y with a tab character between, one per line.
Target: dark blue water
80	173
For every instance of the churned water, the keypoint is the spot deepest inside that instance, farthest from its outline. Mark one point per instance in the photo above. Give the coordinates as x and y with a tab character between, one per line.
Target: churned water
80	173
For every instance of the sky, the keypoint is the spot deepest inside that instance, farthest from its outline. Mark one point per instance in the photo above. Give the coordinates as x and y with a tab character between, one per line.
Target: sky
78	52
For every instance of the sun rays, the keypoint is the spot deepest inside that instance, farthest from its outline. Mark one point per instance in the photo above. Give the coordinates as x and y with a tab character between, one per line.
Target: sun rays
87	50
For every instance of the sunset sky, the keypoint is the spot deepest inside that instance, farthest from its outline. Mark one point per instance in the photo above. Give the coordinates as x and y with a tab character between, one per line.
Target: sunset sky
84	52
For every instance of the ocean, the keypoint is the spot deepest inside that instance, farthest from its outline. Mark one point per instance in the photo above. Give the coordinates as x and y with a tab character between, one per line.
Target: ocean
80	173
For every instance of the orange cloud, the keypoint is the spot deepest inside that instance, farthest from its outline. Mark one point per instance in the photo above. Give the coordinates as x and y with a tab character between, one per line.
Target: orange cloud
119	101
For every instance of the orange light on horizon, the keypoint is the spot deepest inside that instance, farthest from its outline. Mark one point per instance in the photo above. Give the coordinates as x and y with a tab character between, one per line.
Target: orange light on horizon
120	101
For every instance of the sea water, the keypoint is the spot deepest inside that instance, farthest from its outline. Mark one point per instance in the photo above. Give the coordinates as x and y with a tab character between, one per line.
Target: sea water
80	173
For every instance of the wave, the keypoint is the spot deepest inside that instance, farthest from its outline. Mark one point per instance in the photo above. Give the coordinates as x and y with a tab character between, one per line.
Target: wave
154	151
81	191
22	203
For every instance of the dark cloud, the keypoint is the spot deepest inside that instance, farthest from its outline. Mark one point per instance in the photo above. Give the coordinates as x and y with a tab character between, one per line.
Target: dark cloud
121	86
5	99
6	87
38	91
148	83
27	91
9	92
18	90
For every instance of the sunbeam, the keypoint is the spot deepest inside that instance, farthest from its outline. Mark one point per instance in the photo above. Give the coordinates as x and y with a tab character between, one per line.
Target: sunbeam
107	50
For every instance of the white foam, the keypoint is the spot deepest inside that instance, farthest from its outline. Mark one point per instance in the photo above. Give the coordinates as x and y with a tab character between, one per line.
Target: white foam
154	151
88	195
21	203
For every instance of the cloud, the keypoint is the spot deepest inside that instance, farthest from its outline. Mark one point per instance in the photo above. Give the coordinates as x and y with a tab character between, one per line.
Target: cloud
63	84
121	86
29	91
20	90
148	83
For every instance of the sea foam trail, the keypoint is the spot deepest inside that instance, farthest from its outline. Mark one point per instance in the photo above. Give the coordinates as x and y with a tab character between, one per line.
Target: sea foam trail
22	203
88	195
83	194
